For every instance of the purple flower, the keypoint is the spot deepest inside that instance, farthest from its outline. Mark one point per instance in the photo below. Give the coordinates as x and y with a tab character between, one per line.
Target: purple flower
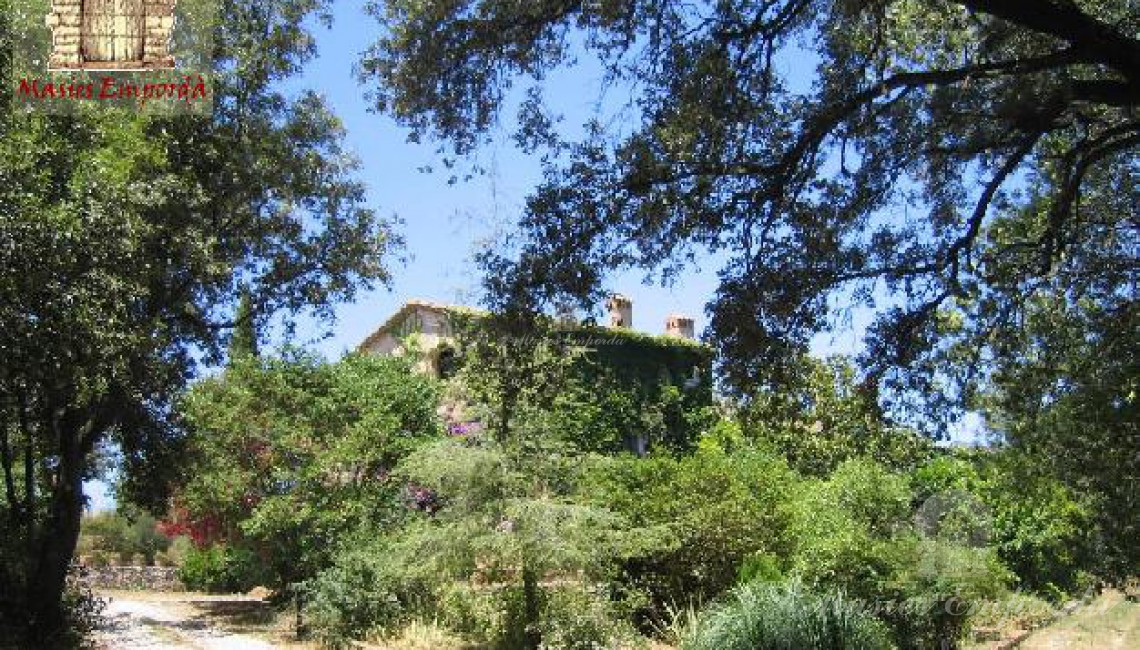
465	429
421	498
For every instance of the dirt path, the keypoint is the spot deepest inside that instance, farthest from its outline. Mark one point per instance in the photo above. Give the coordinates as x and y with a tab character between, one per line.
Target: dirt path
1109	623
177	622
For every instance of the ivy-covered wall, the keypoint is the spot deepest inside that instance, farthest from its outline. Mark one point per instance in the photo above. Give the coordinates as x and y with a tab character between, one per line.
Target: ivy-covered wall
628	391
656	390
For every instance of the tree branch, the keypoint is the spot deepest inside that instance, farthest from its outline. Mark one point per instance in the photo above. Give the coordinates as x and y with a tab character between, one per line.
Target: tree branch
981	208
1062	206
1106	92
1066	21
831	117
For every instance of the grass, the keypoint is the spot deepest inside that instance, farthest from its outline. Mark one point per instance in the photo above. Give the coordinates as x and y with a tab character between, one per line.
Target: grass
421	636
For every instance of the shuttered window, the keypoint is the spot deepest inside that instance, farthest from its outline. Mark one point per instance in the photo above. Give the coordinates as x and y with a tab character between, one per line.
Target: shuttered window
113	30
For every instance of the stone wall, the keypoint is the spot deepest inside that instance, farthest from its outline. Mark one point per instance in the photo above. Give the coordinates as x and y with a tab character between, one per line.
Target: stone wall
66	22
133	578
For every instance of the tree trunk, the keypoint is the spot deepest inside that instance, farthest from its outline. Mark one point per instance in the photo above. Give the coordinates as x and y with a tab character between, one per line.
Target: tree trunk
57	539
532	636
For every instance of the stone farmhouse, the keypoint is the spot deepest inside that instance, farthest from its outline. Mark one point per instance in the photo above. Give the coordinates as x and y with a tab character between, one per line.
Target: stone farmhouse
431	325
643	368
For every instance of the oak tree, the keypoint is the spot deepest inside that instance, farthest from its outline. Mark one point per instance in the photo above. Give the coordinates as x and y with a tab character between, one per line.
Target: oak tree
936	169
125	241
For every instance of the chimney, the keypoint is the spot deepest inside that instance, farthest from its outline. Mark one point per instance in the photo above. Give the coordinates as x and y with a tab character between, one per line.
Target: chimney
621	311
564	314
680	326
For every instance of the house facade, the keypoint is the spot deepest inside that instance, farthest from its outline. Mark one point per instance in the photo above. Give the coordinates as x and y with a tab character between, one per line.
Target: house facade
637	373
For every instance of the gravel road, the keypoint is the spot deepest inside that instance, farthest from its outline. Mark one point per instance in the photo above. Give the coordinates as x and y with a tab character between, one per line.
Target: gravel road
141	623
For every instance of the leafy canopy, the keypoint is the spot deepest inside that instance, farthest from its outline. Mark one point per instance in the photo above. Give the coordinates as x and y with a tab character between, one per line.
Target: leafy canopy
939	169
286	456
124	242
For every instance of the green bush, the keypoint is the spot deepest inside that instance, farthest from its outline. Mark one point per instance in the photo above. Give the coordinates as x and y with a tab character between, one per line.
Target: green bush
762	567
855	533
1041	529
129	535
935	588
699	517
579	619
844	529
371	585
571	618
765	616
467	609
222	569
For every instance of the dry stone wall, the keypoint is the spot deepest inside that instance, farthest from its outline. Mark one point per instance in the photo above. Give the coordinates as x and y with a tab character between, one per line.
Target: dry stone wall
133	578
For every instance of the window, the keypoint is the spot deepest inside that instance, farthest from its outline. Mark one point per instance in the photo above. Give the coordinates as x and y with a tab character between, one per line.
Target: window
113	31
111	34
447	363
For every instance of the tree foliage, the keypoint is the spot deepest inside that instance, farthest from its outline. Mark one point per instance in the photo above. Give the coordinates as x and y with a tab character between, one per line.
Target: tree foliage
825	418
938	169
127	533
124	241
287	456
1070	406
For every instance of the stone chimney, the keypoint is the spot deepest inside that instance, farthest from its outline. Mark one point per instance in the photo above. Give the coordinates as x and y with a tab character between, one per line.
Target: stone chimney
680	326
565	314
621	311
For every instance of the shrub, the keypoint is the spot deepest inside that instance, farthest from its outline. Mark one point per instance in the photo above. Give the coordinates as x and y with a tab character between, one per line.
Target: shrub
470	611
424	636
936	588
1017	611
844	528
221	569
579	619
180	548
765	616
762	567
370	586
700	517
1041	529
571	618
854	532
128	534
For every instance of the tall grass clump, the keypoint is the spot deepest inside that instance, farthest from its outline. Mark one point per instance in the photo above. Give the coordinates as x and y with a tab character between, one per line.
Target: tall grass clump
766	616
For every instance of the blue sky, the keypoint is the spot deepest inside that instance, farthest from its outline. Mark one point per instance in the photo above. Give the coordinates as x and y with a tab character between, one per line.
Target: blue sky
443	224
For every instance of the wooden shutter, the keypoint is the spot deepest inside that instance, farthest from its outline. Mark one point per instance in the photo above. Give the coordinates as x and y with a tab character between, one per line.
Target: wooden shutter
113	30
